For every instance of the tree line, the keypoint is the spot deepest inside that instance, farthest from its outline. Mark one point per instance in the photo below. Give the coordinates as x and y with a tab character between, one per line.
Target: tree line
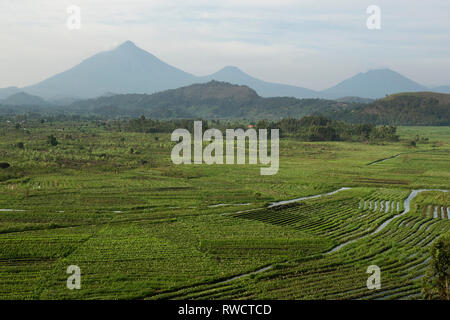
309	128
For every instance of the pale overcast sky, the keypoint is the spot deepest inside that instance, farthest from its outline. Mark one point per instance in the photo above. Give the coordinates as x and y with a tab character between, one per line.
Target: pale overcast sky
309	43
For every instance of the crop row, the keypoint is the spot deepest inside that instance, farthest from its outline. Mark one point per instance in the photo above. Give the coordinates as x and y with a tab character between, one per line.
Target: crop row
436	212
401	250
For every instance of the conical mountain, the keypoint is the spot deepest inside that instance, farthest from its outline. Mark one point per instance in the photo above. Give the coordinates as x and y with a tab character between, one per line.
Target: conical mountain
374	84
125	69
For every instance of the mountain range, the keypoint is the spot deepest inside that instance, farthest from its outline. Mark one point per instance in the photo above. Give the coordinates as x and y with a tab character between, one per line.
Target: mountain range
234	75
130	69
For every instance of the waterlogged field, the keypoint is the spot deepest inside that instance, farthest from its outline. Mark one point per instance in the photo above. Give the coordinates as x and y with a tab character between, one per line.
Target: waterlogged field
140	227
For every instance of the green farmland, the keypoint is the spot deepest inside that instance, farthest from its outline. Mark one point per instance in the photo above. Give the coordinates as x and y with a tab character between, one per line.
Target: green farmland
140	227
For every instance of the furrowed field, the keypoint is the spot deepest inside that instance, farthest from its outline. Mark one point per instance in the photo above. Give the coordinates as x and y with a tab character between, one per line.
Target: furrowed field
140	227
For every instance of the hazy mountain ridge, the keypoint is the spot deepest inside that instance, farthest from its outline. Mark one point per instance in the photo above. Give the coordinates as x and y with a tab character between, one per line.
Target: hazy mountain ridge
441	89
7	92
129	69
234	75
223	100
374	84
24	99
207	100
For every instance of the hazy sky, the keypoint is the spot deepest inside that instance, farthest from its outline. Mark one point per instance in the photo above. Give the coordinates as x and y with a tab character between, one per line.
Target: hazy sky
309	43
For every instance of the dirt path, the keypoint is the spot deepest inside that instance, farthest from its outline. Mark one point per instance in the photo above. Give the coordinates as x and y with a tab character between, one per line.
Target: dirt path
384	159
275	204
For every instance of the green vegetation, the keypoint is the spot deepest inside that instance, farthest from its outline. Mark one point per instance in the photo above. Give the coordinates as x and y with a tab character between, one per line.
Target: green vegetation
423	108
437	280
309	128
221	100
51	141
319	128
139	226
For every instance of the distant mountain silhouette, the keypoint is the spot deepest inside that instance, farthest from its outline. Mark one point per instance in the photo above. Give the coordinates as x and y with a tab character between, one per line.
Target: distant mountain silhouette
234	75
24	99
442	89
374	84
129	69
6	92
125	69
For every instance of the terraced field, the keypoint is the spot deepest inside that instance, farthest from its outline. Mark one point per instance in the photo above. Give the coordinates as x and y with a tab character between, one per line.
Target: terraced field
341	218
140	227
401	250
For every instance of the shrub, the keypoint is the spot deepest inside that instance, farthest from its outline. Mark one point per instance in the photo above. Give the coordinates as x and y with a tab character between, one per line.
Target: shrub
412	143
435	285
52	140
4	165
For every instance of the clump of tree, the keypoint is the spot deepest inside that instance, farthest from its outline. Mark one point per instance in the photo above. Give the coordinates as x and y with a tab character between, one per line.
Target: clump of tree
401	109
435	284
4	165
319	128
384	133
51	140
309	128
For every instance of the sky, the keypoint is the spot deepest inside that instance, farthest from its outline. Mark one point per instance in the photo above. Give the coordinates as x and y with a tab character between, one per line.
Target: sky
309	43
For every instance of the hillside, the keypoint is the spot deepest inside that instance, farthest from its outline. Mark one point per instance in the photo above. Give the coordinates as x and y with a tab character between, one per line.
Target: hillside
418	108
234	75
24	99
6	92
354	100
209	100
442	98
221	100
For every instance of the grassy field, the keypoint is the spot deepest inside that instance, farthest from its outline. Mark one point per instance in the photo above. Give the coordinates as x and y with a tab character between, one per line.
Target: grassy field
140	227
